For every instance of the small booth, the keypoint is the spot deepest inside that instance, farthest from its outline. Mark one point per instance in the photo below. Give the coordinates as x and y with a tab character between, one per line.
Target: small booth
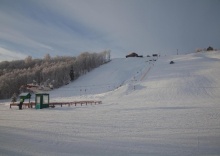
41	100
25	96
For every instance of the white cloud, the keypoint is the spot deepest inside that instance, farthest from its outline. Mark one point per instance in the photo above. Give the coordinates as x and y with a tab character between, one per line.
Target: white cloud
120	26
7	55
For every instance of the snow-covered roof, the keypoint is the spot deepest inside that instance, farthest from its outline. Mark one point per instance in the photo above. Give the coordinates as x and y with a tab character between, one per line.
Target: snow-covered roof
25	95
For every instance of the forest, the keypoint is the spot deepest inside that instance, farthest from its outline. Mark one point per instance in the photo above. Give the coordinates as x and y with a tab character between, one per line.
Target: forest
47	73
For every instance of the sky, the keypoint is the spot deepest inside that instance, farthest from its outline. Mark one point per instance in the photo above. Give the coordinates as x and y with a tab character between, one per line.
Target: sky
69	27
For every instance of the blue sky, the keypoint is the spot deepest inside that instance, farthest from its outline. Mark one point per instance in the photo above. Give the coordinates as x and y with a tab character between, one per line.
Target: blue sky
69	27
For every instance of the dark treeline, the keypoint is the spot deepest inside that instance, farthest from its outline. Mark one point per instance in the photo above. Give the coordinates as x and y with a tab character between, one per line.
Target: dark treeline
56	71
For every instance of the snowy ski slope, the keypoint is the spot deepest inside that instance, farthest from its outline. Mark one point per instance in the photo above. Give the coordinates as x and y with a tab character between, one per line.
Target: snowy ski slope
106	78
148	109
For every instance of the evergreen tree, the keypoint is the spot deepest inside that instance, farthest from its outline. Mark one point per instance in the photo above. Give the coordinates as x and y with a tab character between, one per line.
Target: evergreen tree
14	98
71	73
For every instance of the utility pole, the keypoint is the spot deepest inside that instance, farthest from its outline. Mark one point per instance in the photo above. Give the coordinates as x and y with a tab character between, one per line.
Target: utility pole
177	51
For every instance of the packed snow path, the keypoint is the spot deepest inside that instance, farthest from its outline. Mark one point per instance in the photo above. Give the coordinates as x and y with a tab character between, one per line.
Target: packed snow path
173	111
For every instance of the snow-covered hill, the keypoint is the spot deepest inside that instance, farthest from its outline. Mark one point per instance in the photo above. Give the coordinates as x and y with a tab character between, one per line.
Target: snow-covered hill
148	109
106	78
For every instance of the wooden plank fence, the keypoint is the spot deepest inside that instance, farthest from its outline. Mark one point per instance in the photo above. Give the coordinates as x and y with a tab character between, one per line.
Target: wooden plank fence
53	104
25	105
75	103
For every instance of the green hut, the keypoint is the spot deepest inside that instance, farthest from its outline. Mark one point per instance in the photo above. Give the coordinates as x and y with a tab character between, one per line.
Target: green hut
42	100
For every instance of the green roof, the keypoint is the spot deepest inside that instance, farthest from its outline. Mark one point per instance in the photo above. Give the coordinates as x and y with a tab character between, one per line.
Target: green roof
41	94
25	95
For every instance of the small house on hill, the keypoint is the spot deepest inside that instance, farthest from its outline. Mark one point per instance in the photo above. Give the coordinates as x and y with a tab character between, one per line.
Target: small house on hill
133	54
210	49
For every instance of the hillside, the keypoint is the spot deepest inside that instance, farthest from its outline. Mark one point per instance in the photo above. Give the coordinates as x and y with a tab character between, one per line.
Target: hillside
148	109
193	76
34	75
106	78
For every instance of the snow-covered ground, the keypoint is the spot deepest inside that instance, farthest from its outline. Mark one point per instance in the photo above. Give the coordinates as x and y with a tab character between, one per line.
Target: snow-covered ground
156	109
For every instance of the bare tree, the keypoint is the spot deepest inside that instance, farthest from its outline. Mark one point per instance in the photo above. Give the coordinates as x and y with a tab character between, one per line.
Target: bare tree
55	71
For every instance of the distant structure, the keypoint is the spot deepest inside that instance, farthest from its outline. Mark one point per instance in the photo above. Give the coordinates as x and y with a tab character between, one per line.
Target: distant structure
210	49
171	62
133	54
